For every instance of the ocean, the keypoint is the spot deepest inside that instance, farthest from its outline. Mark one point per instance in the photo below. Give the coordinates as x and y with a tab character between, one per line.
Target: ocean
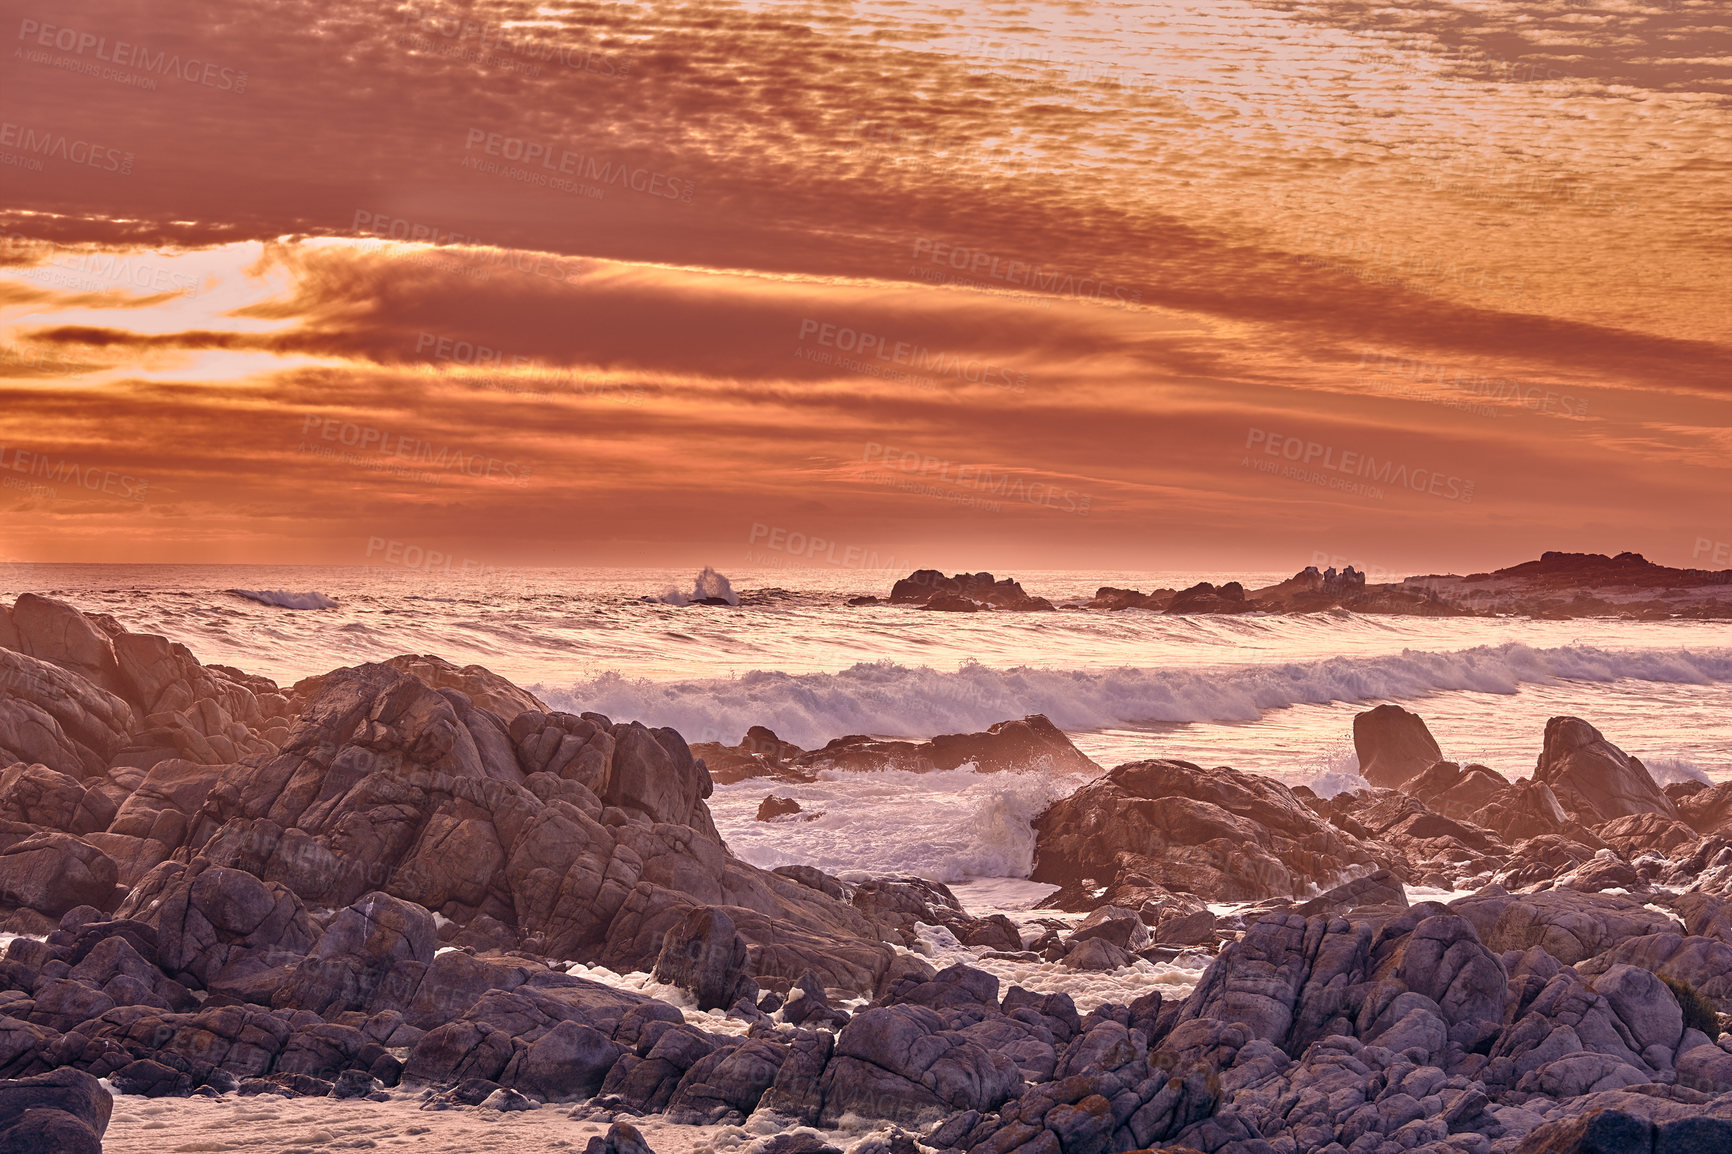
1265	694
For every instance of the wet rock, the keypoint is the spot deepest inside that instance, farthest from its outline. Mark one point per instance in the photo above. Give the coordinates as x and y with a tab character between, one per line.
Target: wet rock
1379	888
1454	790
1030	743
1096	954
1115	924
151	1080
569	1061
1393	745
925	586
621	1138
773	807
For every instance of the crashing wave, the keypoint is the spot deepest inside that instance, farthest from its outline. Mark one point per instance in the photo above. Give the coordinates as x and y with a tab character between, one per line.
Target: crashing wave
711	588
810	709
284	600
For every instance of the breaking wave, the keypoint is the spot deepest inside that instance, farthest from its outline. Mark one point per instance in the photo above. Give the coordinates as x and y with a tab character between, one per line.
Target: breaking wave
283	600
885	698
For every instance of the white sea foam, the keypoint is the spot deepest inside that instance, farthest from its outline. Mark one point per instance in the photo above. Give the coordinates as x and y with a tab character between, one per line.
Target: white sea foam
810	709
945	826
284	600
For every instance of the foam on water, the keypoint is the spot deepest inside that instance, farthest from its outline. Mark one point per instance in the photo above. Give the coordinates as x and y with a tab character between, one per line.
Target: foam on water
285	600
944	826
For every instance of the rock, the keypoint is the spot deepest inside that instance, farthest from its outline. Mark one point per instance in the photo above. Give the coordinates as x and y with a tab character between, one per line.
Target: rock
64	1112
1594	779
488	690
1115	924
1096	954
151	1080
1526	809
1379	888
926	586
1453	790
1206	598
1231	836
900	1063
53	872
705	955
219	926
370	958
622	1138
1635	834
773	807
39	796
569	1061
56	718
1569	926
1393	745
1032	743
1705	964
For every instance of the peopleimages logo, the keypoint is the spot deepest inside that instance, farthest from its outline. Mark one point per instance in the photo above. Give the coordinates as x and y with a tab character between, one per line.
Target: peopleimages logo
1025	275
60	146
128	55
533	152
1312	454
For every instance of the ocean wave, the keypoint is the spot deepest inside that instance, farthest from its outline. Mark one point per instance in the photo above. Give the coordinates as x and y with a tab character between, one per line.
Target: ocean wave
284	600
885	698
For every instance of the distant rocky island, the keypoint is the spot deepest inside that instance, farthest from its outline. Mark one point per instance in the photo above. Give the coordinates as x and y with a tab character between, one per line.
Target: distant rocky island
384	888
1558	585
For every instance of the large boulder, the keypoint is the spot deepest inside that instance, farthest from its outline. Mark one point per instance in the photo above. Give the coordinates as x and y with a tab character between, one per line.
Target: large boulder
370	958
1220	834
1393	745
217	926
55	872
900	1063
63	1112
1568	925
57	718
1594	779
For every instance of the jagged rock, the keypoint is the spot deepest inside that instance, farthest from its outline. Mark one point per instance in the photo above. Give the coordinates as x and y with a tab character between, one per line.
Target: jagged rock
1393	745
704	954
386	784
621	1138
65	1112
151	1080
1704	963
56	718
1708	810
1206	598
1380	888
1594	779
485	688
1096	954
1639	833
1527	809
726	1084
1229	835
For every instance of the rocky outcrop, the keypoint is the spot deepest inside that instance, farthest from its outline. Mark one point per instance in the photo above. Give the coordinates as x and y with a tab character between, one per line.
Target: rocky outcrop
387	784
1393	745
1593	779
1218	833
926	586
1032	743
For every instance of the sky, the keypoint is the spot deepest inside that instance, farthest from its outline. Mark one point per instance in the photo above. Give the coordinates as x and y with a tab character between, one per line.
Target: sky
1427	286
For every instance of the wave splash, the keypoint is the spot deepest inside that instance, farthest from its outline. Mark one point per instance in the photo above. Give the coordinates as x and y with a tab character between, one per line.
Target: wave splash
709	589
885	698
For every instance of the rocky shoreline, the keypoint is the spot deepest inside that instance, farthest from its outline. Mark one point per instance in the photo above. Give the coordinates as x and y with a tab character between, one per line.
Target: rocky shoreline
412	883
1556	586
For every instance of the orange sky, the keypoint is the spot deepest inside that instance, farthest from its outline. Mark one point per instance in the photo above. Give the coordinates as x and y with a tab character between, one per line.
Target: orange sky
1038	285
